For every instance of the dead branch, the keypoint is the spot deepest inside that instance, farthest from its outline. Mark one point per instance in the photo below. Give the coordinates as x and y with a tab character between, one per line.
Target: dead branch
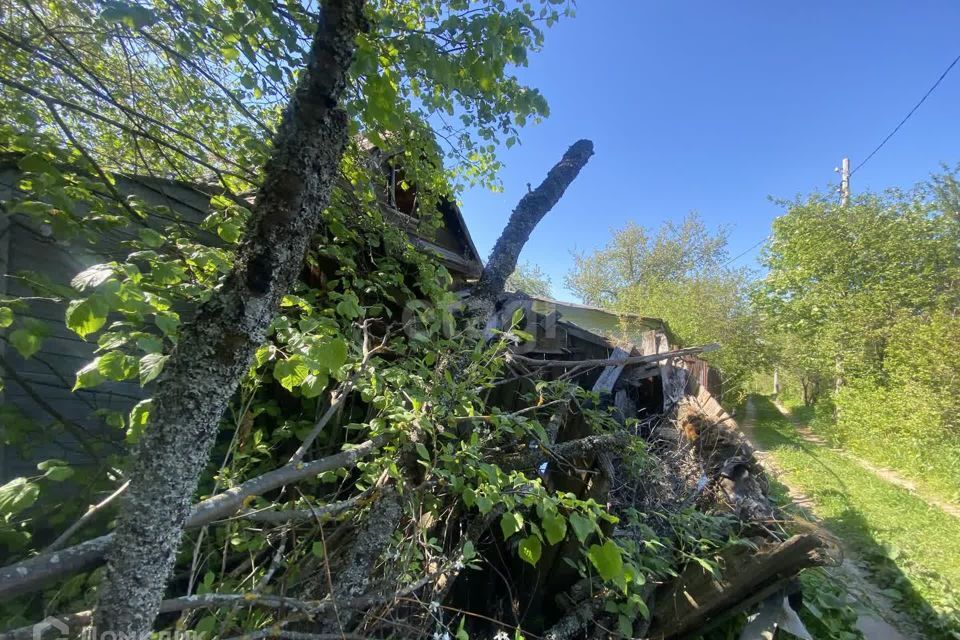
317	514
570	449
610	362
31	574
93	510
310	608
529	212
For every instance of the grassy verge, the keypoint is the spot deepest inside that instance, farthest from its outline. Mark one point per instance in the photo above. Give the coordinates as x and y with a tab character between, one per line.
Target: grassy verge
914	442
913	550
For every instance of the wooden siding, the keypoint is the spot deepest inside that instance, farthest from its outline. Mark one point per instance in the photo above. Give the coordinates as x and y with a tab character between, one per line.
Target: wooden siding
43	393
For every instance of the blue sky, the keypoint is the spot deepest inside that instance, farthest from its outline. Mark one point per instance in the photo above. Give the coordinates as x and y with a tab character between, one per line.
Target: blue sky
714	106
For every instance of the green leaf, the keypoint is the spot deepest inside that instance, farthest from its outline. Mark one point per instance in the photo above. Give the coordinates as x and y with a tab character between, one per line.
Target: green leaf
329	355
422	451
554	526
167	322
6	317
89	376
318	549
56	470
205	626
582	527
150	367
291	373
264	354
530	549
625	626
86	316
132	15
116	365
92	277
484	504
139	416
17	495
25	342
607	559
35	163
229	231
52	462
510	523
349	306
314	384
151	238
149	343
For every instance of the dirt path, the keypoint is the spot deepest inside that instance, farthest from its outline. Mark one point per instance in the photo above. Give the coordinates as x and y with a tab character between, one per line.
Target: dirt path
877	619
887	475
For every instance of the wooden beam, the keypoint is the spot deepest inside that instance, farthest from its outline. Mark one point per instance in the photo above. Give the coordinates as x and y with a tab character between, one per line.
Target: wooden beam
611	374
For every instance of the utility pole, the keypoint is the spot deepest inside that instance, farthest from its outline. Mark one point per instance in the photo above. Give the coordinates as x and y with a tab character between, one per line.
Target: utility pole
845	182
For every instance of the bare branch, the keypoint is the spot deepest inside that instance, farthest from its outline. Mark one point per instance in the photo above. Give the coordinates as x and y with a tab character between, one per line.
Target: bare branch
85	518
32	574
529	212
610	362
212	600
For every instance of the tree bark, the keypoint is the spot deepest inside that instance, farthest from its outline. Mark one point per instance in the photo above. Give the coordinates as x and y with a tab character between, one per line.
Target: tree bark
32	574
529	212
216	349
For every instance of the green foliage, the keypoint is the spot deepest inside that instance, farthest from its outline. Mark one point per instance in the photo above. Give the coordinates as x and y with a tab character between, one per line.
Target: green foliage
825	610
861	301
911	548
669	273
530	279
191	91
842	278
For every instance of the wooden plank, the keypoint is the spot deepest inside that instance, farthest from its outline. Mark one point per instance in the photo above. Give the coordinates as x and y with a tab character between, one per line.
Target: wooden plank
610	375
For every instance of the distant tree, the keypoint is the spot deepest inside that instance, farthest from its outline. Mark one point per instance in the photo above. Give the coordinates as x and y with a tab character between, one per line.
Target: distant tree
636	256
678	273
530	279
841	278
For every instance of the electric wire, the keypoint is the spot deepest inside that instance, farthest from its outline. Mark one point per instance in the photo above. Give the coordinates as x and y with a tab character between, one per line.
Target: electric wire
907	117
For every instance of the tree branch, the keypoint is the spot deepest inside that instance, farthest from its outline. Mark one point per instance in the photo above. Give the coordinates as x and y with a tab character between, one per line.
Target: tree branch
212	600
32	574
529	212
611	362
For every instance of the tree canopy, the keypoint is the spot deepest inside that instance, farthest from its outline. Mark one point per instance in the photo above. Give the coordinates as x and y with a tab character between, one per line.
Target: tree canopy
679	273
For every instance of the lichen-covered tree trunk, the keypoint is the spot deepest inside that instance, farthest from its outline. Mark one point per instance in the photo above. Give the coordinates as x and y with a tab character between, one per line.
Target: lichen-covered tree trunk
529	212
216	349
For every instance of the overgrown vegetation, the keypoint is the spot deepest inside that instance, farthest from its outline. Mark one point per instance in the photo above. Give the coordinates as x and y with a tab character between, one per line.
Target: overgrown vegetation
911	547
373	472
861	304
679	273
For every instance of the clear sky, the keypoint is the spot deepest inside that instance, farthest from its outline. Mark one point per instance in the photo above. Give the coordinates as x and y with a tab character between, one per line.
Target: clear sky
714	106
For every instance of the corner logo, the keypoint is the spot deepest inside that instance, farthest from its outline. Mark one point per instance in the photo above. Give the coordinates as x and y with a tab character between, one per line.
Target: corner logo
41	628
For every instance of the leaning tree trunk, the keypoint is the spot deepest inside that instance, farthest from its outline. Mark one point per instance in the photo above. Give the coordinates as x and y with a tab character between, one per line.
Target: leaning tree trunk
529	212
216	349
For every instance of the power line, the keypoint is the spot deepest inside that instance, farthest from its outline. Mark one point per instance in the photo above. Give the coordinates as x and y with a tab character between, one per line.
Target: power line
907	117
740	255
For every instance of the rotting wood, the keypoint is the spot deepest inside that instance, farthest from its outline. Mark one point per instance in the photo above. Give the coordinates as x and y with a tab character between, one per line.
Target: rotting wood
695	597
611	373
611	362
